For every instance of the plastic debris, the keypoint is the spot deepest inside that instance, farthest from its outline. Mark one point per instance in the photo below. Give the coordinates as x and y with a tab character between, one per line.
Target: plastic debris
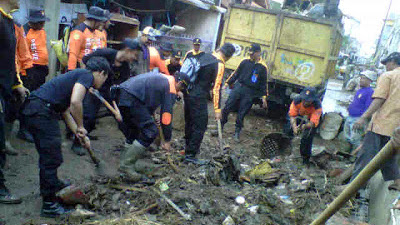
240	200
228	221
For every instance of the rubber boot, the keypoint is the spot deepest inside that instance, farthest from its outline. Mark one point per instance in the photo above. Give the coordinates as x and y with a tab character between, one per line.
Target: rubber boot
10	150
129	157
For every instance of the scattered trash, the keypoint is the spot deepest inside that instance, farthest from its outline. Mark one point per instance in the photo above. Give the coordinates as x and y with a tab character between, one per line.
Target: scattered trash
286	199
275	144
254	209
72	195
240	200
228	221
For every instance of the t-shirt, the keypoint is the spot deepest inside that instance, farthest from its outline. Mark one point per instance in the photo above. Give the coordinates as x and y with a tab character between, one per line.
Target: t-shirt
58	90
387	118
121	73
361	102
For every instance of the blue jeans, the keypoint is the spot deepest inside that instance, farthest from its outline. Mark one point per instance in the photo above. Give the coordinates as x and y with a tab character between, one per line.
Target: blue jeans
353	137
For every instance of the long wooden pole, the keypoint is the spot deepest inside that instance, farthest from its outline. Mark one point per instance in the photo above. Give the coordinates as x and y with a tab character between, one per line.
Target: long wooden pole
385	153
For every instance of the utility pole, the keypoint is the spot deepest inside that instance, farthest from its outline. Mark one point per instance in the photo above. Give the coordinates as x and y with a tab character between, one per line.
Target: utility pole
52	9
383	28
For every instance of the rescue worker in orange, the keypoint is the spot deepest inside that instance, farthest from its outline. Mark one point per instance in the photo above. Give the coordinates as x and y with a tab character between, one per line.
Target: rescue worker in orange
306	105
195	52
36	39
23	65
174	64
158	57
82	39
101	32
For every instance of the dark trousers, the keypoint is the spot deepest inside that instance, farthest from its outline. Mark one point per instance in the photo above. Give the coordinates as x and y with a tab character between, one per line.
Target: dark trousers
371	146
138	123
196	120
307	138
43	124
36	77
241	100
2	141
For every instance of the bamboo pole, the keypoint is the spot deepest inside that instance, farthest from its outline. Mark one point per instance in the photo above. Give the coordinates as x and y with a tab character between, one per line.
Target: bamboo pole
373	166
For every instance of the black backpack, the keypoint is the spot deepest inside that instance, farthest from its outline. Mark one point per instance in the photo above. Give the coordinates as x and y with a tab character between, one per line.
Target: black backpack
192	65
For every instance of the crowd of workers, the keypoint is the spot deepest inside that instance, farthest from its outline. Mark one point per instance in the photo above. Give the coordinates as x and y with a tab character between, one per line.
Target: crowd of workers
140	80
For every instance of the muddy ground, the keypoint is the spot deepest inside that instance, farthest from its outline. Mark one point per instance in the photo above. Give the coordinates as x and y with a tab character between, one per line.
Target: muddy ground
208	194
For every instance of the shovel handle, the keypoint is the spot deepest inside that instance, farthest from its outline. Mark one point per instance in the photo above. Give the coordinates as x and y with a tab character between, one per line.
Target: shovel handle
93	157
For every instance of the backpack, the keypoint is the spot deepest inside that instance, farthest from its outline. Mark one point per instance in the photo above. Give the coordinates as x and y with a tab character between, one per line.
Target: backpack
192	65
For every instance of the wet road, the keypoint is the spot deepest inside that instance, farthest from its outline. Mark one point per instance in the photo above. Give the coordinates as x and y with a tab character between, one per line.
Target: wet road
335	98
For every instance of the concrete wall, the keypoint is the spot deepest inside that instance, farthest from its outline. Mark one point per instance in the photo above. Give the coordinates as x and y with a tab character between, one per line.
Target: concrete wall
200	23
52	10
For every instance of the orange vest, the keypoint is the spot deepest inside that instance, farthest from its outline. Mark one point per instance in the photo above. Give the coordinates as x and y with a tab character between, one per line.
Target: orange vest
156	61
81	43
101	38
38	48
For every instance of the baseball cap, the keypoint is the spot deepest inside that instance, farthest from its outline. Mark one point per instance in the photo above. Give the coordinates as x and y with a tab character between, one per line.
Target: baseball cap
309	94
132	44
394	56
197	41
255	48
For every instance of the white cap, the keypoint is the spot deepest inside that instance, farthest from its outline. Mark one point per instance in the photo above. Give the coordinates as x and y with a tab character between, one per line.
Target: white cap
369	74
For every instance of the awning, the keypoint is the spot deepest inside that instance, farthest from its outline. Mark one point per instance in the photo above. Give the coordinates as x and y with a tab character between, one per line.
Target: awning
204	5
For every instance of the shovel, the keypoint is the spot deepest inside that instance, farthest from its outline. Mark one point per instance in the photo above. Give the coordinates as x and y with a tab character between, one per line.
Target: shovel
221	144
100	165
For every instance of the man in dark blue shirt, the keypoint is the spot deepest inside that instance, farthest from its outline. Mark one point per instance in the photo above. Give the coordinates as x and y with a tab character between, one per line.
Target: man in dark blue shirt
119	61
138	99
62	95
362	100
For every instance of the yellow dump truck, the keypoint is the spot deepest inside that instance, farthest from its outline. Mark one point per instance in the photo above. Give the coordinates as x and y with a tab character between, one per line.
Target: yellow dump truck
300	51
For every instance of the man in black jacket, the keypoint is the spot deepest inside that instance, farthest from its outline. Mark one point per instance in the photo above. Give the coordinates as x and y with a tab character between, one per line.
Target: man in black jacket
248	82
9	82
196	109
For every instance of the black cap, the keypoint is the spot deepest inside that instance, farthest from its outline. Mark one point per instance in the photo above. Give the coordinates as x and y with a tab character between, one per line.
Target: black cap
132	44
98	63
168	47
255	48
228	50
309	94
394	56
37	15
197	41
177	54
96	13
179	76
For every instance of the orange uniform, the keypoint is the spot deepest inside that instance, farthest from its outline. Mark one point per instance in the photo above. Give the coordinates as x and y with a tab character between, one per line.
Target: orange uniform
23	57
313	112
38	48
81	43
101	38
157	61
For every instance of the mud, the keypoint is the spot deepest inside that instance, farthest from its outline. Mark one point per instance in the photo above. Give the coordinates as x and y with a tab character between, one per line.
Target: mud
207	193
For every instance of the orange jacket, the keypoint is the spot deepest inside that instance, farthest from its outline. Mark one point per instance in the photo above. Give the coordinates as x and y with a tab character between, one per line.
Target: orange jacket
156	61
101	38
312	112
23	59
81	43
38	48
218	83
